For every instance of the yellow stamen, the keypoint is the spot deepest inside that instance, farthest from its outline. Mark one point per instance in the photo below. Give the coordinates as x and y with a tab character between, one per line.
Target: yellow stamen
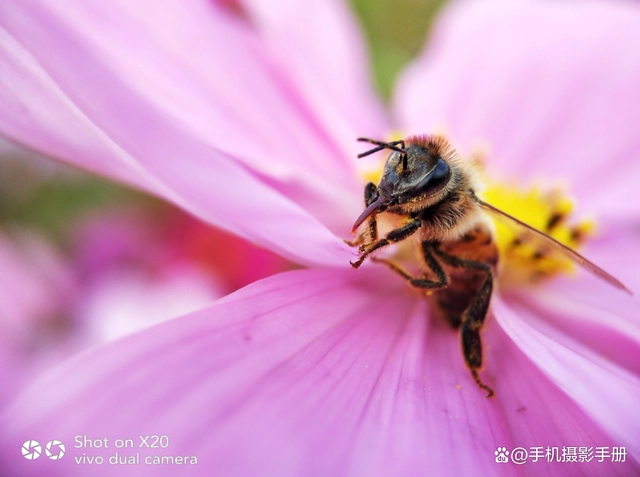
546	210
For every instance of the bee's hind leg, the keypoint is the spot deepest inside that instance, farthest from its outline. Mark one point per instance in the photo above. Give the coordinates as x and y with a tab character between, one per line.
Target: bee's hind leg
474	316
470	331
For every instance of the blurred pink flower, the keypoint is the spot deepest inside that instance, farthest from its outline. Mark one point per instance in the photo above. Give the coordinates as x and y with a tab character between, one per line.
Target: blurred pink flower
155	259
35	285
54	304
125	264
159	237
245	117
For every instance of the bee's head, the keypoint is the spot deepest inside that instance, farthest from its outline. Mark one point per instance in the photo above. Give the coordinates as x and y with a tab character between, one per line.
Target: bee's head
414	173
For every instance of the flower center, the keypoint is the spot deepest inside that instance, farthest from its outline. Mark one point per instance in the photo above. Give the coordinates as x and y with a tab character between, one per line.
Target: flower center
546	210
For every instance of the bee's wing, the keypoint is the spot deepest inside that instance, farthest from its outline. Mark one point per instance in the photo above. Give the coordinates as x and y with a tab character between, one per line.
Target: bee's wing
536	235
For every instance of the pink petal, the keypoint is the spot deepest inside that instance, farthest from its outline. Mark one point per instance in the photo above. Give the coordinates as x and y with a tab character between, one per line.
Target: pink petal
551	88
607	392
126	70
598	316
35	285
219	195
35	281
35	112
615	250
323	51
314	372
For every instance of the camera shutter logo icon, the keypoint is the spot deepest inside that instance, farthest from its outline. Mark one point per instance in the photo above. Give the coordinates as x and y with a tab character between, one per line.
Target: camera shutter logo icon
55	449
31	450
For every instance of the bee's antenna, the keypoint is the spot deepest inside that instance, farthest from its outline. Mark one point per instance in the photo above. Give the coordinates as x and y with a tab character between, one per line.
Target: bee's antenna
386	145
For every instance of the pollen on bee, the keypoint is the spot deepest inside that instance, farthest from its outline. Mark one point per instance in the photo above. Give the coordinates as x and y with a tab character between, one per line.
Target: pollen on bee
548	211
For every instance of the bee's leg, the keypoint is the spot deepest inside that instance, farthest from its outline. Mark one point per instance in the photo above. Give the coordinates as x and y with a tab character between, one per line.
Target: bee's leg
371	232
421	282
369	190
474	316
393	265
435	267
470	331
361	239
396	235
366	236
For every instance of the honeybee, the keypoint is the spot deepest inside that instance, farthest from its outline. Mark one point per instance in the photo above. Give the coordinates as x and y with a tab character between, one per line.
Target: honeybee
432	191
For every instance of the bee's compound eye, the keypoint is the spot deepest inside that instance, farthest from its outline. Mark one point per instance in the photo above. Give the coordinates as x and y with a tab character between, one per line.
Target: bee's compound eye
441	170
437	174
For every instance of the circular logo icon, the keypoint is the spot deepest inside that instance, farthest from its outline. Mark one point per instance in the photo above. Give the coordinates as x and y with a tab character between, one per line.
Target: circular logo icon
31	450
54	449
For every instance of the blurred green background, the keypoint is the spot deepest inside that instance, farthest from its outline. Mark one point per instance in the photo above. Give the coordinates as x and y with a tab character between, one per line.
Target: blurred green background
395	32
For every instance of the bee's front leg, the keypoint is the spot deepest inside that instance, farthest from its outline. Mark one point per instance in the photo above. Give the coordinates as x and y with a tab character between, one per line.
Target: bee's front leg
370	233
396	235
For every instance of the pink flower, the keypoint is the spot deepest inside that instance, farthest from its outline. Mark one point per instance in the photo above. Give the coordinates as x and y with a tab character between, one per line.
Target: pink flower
35	285
125	264
245	117
155	259
55	304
